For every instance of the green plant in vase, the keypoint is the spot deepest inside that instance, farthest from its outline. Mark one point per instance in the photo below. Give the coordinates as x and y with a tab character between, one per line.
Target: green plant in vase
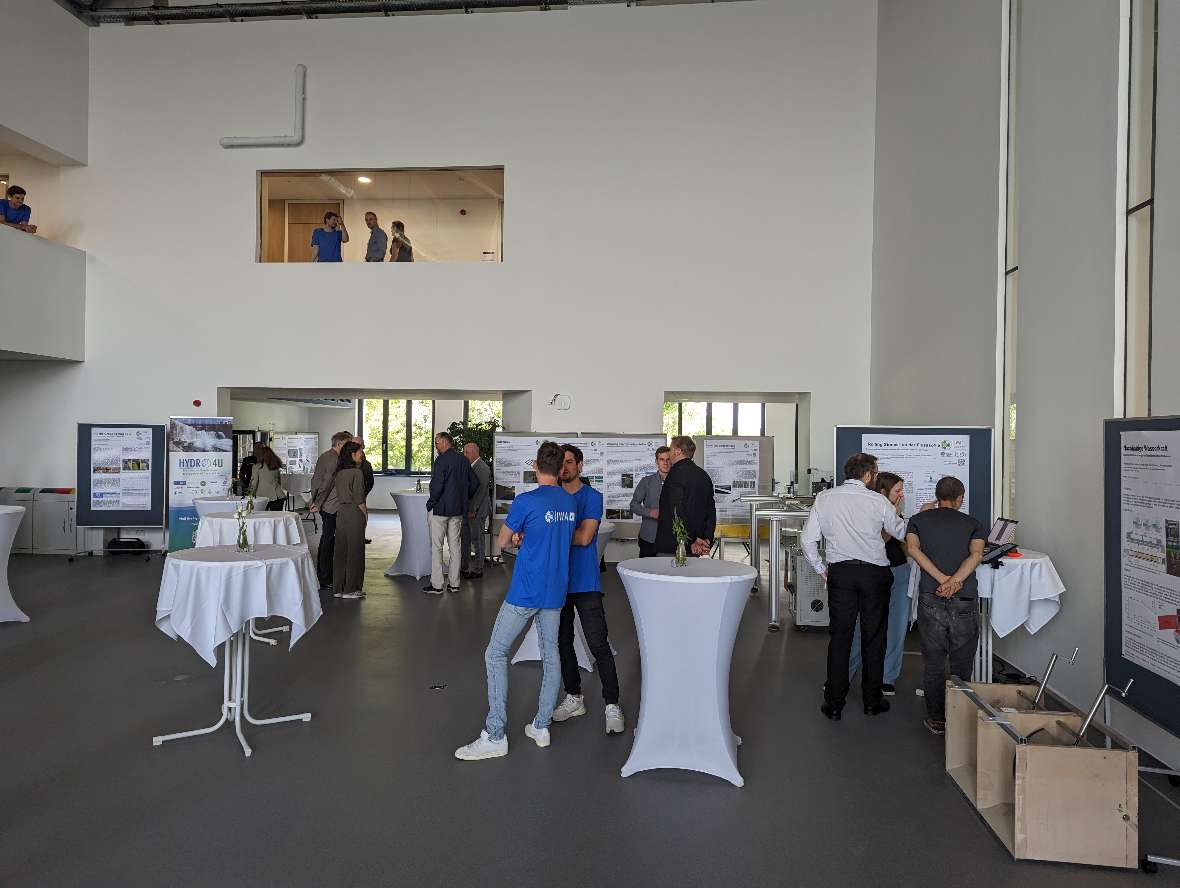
682	538
244	508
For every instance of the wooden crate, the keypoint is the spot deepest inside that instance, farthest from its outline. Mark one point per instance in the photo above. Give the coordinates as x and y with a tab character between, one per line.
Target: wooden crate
962	721
1050	800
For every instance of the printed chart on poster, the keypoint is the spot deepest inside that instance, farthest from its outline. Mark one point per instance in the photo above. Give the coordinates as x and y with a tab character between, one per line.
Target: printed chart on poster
733	464
612	464
297	450
120	469
1150	537
200	457
1142	564
120	475
920	461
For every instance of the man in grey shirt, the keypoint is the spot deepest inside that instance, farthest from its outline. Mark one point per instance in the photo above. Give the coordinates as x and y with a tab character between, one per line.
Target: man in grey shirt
325	501
378	240
478	510
645	502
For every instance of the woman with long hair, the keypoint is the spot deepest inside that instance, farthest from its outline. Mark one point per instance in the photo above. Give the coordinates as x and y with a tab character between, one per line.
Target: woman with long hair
897	623
348	572
266	478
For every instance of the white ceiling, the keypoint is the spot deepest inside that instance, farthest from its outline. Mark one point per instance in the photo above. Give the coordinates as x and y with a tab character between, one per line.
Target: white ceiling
457	184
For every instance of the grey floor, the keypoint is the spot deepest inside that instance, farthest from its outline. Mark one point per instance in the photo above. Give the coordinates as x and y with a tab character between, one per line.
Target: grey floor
368	793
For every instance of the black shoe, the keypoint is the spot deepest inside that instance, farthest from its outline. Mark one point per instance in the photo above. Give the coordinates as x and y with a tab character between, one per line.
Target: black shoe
368	542
472	574
430	588
831	710
888	690
935	726
877	708
451	588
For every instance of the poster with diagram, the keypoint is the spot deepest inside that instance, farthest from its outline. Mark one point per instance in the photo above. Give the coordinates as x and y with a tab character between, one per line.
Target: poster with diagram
121	469
1150	544
920	461
734	466
512	466
297	450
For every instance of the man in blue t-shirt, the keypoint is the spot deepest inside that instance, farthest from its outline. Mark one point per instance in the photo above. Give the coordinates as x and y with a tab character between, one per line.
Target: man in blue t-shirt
585	596
326	241
541	522
15	212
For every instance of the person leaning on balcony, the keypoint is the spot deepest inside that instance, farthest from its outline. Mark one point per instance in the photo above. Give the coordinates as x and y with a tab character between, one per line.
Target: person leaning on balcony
17	213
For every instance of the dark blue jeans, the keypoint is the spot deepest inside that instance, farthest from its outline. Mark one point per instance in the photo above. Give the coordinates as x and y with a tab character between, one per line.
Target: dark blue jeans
949	628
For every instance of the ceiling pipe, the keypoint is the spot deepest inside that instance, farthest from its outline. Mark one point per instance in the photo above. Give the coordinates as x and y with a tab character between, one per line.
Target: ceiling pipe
291	141
158	15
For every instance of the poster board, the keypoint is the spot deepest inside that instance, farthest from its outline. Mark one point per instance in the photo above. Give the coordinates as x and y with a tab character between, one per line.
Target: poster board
1142	564
200	463
738	465
613	464
298	451
923	454
121	469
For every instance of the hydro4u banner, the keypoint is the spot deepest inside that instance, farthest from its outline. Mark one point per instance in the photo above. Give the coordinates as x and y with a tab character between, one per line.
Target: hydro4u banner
200	463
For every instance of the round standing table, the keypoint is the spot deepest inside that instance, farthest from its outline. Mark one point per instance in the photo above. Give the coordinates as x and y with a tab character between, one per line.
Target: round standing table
413	558
530	648
262	528
10	519
687	620
207	505
208	597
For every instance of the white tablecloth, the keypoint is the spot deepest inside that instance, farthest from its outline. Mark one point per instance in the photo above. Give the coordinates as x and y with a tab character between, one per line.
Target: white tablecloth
530	648
262	528
413	559
10	519
207	505
686	620
208	594
1024	591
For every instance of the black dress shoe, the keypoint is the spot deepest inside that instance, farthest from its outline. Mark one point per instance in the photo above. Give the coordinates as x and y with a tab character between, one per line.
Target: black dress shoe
877	708
888	690
831	710
368	542
430	588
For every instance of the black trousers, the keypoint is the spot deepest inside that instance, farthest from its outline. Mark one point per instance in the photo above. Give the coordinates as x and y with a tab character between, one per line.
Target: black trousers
646	549
856	589
325	555
949	629
276	505
589	608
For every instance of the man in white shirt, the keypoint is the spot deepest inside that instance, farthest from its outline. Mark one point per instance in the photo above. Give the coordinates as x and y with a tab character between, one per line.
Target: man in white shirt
854	521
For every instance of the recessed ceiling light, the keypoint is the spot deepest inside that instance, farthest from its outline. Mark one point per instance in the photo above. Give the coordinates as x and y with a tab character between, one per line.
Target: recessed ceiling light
364	180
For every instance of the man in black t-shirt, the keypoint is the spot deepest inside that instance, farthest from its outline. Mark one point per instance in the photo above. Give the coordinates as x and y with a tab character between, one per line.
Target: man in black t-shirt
947	546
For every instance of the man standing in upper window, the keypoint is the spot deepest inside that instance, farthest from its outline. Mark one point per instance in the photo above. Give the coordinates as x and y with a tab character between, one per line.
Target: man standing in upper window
687	494
854	520
947	545
16	212
400	250
326	241
378	240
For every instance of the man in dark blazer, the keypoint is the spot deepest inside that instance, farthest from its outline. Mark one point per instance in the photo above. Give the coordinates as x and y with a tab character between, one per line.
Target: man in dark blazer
479	509
688	492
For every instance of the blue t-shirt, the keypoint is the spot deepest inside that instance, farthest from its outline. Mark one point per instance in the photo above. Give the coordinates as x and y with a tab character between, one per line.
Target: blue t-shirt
584	575
20	216
547	517
329	244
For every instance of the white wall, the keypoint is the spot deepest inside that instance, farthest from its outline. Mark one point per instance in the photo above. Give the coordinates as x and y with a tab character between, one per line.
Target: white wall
267	417
615	161
436	229
935	210
42	297
46	62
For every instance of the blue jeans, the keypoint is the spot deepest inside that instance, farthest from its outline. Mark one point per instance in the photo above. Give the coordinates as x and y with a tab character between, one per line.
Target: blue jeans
510	622
896	626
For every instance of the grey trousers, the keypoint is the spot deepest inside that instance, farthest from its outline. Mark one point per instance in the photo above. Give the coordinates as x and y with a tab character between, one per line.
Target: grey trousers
473	536
348	562
448	528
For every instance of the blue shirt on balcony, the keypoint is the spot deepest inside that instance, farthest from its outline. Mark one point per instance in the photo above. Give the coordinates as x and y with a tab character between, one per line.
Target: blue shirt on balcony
20	216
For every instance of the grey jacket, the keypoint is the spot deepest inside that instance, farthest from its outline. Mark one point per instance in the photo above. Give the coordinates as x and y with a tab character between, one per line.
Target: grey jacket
267	483
646	498
323	487
480	500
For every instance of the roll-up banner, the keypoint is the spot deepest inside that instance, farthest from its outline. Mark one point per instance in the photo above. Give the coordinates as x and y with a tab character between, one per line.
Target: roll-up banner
200	463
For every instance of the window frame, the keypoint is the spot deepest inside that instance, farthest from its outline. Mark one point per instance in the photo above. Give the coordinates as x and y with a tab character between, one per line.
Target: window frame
709	417
405	469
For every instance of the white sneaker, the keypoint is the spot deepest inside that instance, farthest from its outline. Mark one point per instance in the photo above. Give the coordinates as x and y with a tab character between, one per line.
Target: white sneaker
483	748
614	719
352	596
539	735
569	707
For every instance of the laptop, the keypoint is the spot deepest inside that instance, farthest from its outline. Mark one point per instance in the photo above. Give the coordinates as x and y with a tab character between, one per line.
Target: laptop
999	539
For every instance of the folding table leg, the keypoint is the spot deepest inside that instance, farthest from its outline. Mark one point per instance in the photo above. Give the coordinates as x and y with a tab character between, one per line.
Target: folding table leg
303	716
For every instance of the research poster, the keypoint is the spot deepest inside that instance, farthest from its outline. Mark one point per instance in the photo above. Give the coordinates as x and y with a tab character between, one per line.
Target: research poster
297	450
920	461
513	465
1150	545
625	462
121	469
200	463
733	466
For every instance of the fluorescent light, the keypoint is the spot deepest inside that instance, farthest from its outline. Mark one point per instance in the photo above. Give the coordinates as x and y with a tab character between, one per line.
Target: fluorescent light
364	180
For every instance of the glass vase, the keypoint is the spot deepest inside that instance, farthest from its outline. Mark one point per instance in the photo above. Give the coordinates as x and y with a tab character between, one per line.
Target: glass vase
681	559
